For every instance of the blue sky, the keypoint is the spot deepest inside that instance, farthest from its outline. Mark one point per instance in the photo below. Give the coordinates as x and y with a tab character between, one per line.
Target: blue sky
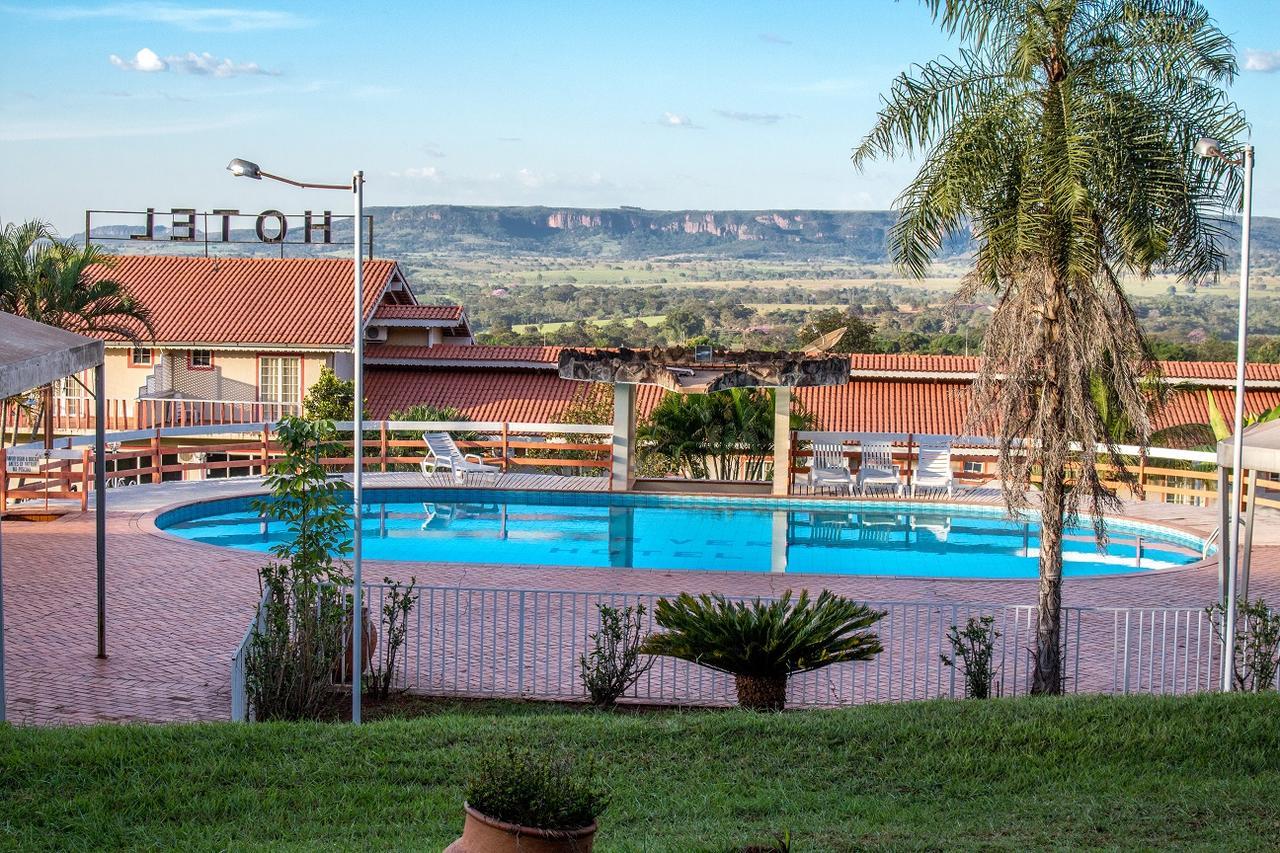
662	105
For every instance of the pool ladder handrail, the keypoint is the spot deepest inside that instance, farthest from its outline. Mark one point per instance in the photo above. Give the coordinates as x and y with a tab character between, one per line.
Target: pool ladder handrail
1209	540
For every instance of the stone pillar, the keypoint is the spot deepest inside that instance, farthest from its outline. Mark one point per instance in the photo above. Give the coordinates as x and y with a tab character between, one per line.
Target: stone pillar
782	441
624	437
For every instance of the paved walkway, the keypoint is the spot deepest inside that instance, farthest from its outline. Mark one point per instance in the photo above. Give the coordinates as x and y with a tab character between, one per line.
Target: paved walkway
177	609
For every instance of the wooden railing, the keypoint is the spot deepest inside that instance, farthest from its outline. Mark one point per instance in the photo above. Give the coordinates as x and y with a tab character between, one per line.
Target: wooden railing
77	416
164	454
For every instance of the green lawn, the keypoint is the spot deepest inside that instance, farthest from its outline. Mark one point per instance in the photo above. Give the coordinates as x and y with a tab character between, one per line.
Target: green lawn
1013	774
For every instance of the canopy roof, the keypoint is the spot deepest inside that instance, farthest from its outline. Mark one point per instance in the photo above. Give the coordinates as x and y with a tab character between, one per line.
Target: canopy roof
1261	448
690	371
33	354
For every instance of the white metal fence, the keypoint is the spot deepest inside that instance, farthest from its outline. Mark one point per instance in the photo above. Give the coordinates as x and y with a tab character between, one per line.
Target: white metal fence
517	643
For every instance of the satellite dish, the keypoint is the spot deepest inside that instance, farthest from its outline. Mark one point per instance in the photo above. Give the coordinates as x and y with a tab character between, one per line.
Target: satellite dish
825	342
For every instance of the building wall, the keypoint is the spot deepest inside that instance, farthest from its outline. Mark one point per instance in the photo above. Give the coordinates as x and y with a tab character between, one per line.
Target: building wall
233	376
401	336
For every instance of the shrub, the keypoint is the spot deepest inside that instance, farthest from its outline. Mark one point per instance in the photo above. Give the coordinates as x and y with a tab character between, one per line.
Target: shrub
297	639
539	790
761	643
330	398
614	662
1257	643
974	648
397	604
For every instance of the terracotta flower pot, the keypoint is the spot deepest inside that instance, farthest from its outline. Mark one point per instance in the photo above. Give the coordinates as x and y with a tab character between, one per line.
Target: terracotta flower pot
482	834
368	646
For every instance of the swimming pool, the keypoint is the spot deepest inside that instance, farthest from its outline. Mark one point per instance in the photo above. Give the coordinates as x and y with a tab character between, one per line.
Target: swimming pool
575	529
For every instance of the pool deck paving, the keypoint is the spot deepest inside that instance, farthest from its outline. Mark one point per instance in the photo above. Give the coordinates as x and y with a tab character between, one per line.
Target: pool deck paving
177	609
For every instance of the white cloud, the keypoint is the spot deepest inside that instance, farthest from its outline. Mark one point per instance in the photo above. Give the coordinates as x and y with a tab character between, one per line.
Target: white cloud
201	64
210	19
754	118
144	60
429	173
675	120
774	38
1265	61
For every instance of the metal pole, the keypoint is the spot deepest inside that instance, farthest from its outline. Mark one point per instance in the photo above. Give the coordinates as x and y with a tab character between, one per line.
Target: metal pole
2	699
100	498
357	489
1237	450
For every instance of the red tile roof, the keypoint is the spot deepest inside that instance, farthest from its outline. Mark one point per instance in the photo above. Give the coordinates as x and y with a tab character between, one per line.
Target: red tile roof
418	312
452	353
912	363
484	395
1221	370
920	406
304	302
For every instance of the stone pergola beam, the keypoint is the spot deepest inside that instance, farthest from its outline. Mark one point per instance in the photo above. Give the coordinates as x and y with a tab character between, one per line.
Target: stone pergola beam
680	369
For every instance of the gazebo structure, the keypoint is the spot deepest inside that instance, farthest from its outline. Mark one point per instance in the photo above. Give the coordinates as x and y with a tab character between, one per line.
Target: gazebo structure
701	370
1261	455
33	355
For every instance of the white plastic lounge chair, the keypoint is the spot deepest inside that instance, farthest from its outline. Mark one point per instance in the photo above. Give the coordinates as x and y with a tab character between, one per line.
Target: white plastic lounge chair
830	467
443	453
933	471
878	467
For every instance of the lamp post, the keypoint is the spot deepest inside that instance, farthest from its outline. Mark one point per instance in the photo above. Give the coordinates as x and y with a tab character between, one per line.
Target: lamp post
1210	148
247	169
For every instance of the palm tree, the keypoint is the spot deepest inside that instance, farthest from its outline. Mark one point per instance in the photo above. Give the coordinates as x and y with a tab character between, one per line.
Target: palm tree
56	283
725	435
1061	136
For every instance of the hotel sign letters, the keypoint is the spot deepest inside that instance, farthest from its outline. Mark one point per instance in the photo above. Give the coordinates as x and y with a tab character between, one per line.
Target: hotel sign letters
271	226
221	225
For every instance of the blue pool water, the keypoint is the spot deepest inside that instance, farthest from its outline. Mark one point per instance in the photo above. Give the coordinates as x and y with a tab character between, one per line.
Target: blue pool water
677	533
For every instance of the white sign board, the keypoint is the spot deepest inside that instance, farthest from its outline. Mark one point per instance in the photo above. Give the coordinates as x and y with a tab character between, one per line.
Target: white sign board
31	461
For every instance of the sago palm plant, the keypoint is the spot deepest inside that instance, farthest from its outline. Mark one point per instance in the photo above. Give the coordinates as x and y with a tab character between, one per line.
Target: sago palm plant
761	643
1062	136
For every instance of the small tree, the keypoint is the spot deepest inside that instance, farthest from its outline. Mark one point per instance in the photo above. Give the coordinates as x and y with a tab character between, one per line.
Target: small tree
298	638
974	648
330	398
1257	643
761	644
397	604
615	661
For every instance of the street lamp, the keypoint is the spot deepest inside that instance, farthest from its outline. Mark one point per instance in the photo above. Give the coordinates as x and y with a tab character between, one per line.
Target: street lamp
247	169
1211	149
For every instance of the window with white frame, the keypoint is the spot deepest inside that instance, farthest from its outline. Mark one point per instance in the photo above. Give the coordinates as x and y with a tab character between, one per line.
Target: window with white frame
974	467
279	379
66	395
200	358
140	357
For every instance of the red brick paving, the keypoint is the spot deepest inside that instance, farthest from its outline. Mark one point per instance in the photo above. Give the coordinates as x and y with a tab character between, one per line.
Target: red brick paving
177	610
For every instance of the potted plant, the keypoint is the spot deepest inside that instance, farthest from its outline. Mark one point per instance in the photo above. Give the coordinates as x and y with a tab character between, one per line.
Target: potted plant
529	802
762	643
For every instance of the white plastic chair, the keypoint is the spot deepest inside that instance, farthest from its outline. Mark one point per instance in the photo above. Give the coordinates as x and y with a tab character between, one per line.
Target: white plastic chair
878	467
933	470
443	453
830	467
